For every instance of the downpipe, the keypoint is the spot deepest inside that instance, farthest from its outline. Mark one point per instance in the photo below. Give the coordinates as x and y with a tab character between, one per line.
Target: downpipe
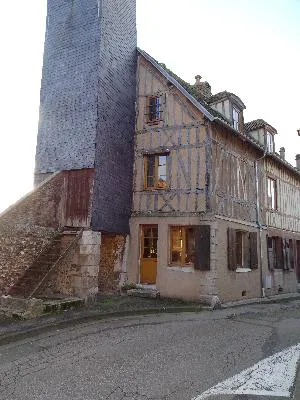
259	225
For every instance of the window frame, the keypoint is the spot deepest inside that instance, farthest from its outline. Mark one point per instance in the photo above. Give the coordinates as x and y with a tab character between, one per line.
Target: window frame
157	114
156	178
270	142
182	263
236	123
273	203
248	252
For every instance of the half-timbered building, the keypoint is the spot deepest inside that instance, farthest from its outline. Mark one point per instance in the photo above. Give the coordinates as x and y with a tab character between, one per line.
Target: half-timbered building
215	210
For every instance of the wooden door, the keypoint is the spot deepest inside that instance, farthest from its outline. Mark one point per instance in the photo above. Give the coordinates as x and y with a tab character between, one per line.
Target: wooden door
148	262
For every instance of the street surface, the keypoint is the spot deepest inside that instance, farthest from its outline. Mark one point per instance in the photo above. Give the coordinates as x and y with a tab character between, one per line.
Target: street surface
161	357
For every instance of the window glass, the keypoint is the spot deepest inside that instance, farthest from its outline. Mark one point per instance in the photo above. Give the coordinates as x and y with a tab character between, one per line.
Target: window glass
156	171
150	171
153	109
235	117
162	171
272	193
182	245
270	142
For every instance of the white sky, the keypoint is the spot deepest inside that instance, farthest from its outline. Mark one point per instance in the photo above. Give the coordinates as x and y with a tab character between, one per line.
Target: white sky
249	47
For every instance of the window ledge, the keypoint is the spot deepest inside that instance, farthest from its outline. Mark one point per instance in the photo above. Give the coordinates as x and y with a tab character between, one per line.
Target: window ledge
243	270
181	269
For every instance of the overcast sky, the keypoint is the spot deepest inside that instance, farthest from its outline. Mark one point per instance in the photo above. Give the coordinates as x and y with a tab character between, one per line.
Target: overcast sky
249	47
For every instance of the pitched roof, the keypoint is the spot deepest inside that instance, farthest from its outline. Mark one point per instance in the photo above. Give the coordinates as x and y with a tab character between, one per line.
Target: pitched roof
186	89
190	93
225	95
257	124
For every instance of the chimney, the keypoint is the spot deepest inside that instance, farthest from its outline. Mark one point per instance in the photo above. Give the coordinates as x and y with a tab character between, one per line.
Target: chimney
298	162
282	152
203	88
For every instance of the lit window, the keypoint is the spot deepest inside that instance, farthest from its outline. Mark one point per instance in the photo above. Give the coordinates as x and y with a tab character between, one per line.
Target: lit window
153	109
182	245
270	142
236	118
271	194
155	167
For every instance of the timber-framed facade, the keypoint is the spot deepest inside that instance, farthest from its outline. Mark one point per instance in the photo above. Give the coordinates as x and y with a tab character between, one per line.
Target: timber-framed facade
206	227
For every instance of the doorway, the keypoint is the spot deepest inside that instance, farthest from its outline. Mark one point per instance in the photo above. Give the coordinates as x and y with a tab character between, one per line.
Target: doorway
148	261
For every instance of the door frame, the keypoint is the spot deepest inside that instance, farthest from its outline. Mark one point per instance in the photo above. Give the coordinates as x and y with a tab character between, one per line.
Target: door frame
141	247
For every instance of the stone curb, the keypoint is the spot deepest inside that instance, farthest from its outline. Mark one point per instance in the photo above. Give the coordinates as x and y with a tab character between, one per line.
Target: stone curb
62	323
14	336
263	300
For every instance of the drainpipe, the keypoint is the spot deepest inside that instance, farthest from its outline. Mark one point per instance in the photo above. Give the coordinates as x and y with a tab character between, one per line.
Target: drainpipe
258	221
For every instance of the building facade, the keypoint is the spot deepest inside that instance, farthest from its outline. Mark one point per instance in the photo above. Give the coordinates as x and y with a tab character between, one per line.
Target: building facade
215	209
145	179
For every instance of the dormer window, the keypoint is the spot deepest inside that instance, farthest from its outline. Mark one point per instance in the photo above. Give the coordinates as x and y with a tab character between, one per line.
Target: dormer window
236	118
270	142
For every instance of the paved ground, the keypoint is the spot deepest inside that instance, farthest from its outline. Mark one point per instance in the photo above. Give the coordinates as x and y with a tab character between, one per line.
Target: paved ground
154	357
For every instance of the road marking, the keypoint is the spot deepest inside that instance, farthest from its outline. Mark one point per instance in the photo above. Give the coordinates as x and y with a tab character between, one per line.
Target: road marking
273	376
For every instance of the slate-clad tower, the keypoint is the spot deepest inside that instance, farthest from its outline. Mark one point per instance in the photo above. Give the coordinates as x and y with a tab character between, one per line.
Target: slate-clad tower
87	102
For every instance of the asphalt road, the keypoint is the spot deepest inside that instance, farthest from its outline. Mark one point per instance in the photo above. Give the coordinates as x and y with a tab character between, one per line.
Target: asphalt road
157	357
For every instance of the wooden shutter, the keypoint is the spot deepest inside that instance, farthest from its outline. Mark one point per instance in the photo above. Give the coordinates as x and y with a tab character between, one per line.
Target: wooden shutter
270	253
202	247
292	252
231	249
279	252
253	251
286	260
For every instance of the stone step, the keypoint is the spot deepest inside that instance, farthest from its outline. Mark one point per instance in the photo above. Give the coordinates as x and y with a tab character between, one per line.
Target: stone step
18	307
143	292
57	305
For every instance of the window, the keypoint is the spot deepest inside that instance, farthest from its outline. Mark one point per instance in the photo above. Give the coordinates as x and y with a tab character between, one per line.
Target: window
272	253
236	118
271	194
242	250
153	110
270	142
155	167
182	245
280	253
190	246
288	253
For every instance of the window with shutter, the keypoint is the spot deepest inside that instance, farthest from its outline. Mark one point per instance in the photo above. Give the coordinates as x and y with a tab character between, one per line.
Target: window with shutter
155	171
242	250
291	249
202	247
190	246
279	252
271	241
253	251
231	249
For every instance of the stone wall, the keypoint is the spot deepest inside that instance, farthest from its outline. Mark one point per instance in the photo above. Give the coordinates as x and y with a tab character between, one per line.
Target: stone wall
19	245
26	228
112	262
77	274
40	207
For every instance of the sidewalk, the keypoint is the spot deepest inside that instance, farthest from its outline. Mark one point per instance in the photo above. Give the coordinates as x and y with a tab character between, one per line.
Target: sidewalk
109	307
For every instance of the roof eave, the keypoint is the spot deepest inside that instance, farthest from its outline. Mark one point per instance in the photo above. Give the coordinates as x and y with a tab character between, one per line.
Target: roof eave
199	106
275	157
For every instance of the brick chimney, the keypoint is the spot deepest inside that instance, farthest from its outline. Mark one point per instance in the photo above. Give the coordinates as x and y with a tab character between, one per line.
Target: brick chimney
282	152
298	162
203	88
